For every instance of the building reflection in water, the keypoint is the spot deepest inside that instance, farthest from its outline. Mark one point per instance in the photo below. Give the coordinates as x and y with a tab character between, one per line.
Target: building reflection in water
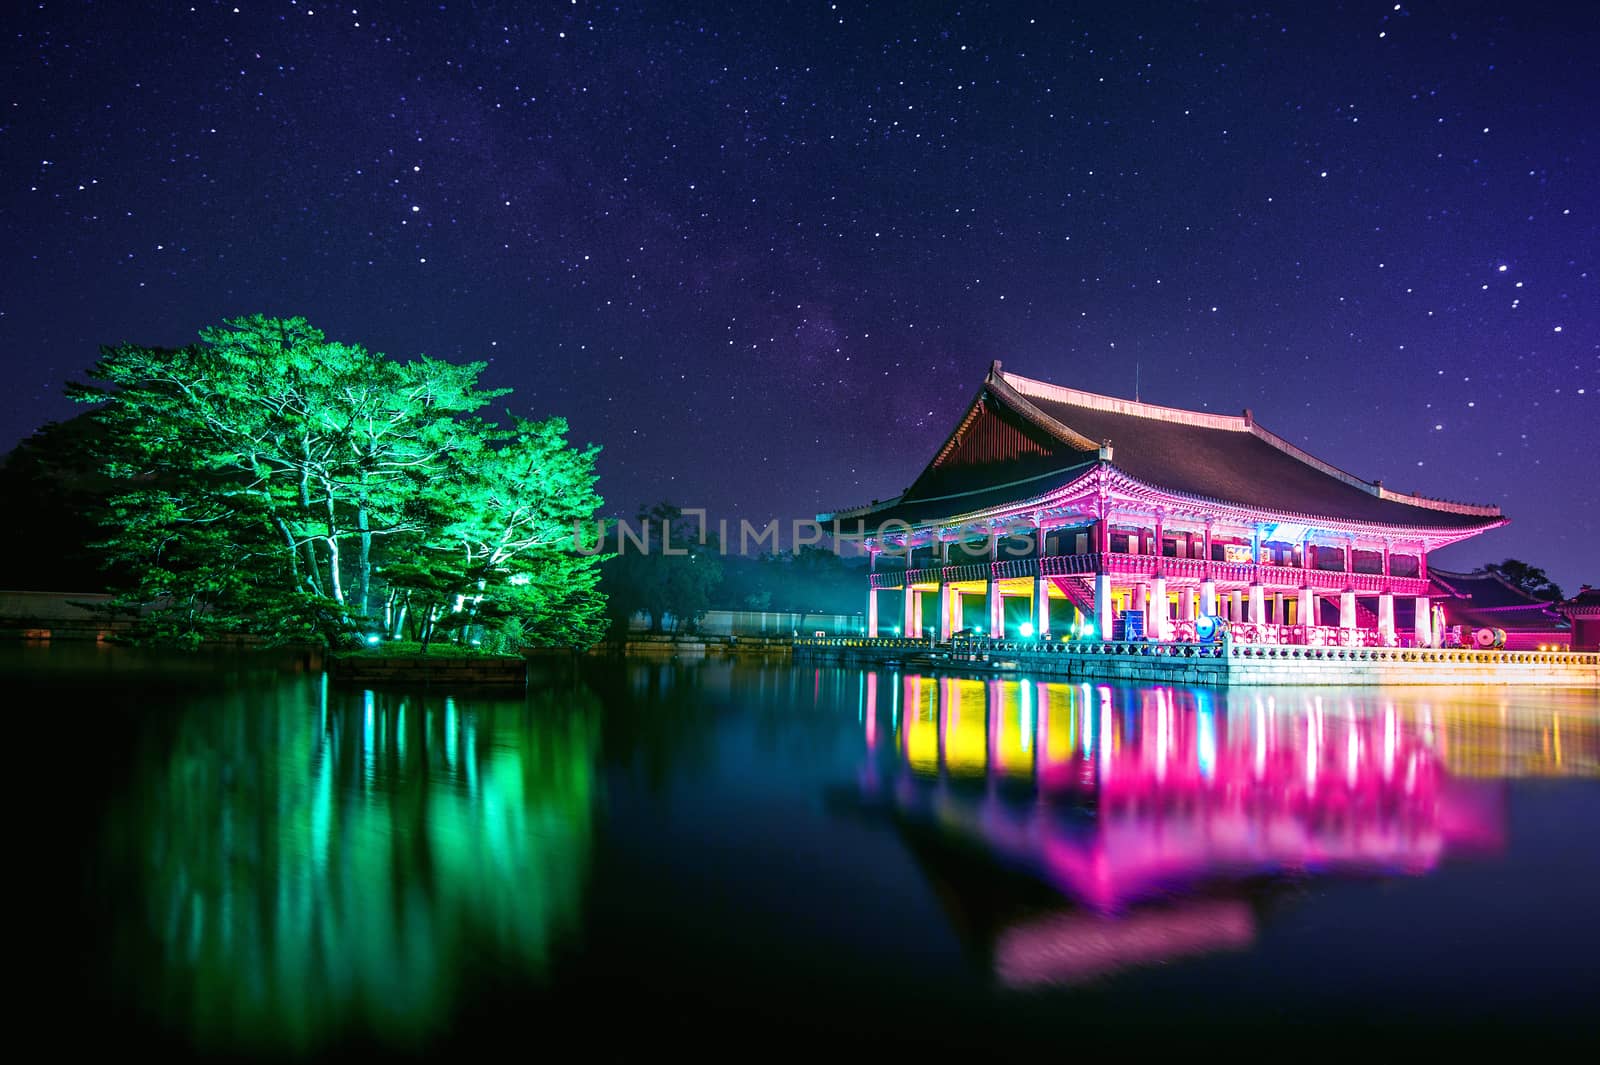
309	873
1160	817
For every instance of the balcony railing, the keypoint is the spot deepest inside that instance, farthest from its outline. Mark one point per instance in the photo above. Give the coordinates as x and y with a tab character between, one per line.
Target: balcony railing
1281	578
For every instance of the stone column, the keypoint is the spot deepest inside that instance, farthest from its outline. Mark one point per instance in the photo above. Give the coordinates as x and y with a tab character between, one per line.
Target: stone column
910	616
1306	609
1386	615
1156	626
1139	597
1258	604
1424	626
1208	595
1102	606
997	610
1041	606
1347	609
1185	604
1236	605
872	613
945	594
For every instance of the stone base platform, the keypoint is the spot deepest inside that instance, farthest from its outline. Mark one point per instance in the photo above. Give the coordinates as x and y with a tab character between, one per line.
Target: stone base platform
1223	664
429	671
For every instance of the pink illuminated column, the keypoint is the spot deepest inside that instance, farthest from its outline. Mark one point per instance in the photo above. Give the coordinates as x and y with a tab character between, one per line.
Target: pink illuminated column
1306	612
997	610
949	610
1157	624
1347	609
911	614
1424	626
1236	605
1102	605
1041	605
1386	614
1208	595
1258	604
872	613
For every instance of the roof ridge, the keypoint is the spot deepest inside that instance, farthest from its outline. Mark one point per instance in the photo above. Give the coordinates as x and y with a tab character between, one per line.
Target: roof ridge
1095	401
1001	388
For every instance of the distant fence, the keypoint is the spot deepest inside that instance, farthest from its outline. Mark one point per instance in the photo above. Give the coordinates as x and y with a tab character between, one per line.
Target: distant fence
764	623
58	615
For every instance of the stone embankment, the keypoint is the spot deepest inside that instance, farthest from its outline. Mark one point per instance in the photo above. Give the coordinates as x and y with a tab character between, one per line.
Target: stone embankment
1219	664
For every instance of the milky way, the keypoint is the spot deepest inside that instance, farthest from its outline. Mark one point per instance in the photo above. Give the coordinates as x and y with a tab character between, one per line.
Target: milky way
764	254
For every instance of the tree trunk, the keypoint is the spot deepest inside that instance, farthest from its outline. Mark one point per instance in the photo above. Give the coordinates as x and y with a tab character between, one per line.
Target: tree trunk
333	571
305	516
364	564
335	583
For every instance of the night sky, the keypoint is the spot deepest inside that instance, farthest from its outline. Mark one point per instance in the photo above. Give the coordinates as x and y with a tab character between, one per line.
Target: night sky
764	254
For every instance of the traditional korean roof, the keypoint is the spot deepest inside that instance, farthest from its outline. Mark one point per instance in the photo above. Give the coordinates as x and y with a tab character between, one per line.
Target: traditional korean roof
1482	588
1021	438
1484	600
1585	604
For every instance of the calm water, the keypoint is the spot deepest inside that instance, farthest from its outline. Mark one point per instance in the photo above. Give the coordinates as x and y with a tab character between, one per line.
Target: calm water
737	859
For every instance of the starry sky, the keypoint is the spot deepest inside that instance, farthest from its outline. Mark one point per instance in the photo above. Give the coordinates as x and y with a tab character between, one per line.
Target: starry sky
765	253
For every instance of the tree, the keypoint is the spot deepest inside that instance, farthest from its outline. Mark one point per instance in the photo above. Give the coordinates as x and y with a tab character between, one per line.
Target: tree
673	574
53	491
1528	578
266	476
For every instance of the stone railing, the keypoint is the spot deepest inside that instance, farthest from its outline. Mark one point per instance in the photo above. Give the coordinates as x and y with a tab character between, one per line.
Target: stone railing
1224	649
1414	654
884	643
963	647
1260	632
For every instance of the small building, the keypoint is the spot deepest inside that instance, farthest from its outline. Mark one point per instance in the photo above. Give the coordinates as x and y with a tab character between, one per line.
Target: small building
1583	611
1050	511
1482	601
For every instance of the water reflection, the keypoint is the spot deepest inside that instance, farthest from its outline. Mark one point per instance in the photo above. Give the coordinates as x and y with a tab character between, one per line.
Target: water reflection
317	862
1162	817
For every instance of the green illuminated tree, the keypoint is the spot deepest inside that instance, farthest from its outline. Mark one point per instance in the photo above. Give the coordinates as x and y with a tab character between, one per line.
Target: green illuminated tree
266	476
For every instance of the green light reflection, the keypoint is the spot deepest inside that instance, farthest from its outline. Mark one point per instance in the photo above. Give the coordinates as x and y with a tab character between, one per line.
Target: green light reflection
318	863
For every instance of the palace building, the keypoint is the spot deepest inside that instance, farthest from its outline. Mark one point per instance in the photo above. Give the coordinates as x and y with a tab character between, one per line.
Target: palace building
1055	512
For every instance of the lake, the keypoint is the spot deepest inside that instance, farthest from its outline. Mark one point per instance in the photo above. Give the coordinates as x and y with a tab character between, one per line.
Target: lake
743	859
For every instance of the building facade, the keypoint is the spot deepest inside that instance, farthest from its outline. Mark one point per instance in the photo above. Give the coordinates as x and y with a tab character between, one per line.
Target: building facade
1051	512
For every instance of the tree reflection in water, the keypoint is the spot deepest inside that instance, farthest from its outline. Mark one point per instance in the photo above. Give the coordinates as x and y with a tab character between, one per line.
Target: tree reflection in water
1162	816
317	862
